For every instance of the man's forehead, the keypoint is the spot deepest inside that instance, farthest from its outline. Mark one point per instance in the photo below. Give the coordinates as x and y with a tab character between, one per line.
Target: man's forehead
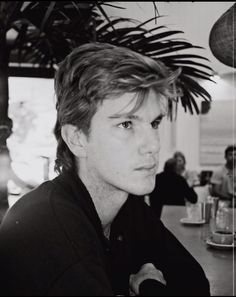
126	106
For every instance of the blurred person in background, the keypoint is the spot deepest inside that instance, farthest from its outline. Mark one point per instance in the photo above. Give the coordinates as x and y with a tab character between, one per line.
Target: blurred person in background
170	189
5	166
223	180
9	180
191	176
80	234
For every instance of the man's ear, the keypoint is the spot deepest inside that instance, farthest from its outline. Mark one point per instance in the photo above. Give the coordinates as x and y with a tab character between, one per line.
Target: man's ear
75	140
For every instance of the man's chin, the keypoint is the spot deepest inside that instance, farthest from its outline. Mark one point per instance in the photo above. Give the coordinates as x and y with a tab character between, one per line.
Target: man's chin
141	191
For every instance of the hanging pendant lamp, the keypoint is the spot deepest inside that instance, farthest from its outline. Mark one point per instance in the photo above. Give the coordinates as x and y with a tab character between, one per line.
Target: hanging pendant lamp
222	38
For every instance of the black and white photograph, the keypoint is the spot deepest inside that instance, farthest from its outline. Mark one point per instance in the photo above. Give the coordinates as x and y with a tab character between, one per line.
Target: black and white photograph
117	148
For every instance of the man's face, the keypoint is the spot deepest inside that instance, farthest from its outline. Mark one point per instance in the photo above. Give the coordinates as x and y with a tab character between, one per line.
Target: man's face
122	151
231	158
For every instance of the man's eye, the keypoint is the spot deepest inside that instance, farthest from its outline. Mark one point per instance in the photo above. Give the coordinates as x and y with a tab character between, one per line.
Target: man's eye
126	125
155	124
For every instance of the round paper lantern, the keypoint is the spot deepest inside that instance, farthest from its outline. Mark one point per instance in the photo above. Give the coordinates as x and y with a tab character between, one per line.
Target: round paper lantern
222	38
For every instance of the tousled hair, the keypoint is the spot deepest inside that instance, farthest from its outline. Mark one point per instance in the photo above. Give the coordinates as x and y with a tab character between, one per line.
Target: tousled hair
95	72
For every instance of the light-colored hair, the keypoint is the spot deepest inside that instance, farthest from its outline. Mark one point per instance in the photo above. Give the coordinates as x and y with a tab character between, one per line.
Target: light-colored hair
95	72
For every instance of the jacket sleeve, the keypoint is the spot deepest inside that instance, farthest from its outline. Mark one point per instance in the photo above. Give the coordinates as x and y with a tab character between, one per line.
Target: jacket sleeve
184	275
189	192
85	278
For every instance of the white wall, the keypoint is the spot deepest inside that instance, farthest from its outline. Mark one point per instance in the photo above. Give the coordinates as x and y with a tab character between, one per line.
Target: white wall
195	19
181	134
188	126
184	133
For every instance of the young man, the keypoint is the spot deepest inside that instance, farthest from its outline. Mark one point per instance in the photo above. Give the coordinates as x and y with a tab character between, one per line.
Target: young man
223	179
81	234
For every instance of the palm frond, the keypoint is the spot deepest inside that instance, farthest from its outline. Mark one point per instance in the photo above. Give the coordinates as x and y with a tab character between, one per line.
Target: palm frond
111	5
195	87
105	27
105	15
186	56
49	30
47	15
184	62
162	46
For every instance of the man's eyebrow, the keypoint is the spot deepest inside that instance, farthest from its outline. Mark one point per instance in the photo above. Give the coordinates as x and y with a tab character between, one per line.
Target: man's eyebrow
159	118
134	117
127	116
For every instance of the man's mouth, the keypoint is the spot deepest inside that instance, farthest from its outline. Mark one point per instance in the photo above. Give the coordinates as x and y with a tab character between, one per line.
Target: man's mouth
147	167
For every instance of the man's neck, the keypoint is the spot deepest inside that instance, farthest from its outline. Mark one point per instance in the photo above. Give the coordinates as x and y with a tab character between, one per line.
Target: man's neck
107	200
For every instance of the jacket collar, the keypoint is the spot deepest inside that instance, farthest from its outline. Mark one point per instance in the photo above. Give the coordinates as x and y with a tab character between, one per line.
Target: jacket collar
73	185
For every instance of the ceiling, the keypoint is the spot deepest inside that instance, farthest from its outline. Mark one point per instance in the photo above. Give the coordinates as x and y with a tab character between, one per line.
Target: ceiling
194	18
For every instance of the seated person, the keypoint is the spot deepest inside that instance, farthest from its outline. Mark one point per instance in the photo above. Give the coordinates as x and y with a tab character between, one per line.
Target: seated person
205	177
4	176
8	175
191	176
223	179
80	234
171	189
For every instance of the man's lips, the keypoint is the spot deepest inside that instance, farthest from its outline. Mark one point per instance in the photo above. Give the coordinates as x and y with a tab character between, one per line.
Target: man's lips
147	167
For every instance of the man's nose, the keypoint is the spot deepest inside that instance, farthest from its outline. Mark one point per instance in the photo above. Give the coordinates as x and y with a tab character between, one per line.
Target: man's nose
150	142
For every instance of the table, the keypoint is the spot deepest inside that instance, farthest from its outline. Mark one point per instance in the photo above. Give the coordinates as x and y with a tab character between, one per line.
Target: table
219	265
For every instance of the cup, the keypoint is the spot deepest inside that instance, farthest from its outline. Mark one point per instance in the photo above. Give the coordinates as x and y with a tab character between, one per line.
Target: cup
224	217
214	208
194	211
206	211
223	237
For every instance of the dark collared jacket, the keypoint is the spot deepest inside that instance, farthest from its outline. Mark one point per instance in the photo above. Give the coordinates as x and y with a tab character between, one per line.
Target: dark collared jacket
52	243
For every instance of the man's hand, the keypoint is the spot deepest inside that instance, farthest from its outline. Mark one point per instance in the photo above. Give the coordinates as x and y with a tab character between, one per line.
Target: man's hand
147	271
